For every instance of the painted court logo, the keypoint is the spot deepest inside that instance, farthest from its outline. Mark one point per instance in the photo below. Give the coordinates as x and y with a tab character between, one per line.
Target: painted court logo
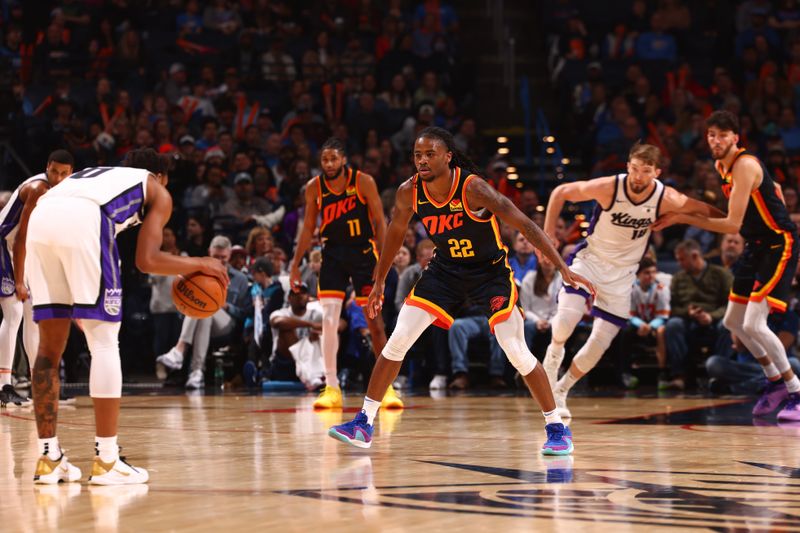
112	303
497	303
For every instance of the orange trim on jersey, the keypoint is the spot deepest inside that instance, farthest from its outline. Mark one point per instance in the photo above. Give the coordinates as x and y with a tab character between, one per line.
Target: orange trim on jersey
497	238
453	188
766	216
443	319
464	202
358	190
776	305
414	193
738	299
339	295
726	172
374	249
504	313
346	183
319	192
362	300
776	277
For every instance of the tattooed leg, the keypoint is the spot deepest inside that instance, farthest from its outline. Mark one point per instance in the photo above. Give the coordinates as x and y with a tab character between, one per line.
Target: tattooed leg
46	384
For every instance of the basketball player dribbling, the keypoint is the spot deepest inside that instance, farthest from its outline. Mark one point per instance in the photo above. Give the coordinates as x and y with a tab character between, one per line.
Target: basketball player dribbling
627	206
459	210
352	230
14	298
73	269
763	277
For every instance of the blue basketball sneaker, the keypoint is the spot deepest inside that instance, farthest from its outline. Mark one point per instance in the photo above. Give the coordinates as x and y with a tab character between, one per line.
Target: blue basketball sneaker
357	432
559	440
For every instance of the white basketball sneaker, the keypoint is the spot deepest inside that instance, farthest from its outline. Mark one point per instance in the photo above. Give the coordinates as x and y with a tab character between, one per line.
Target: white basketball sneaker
196	380
172	360
117	473
49	472
560	396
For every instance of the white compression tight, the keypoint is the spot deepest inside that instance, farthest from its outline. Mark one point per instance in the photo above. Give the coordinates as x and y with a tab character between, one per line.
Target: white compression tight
411	323
105	376
13	313
331	313
571	308
603	332
749	323
510	336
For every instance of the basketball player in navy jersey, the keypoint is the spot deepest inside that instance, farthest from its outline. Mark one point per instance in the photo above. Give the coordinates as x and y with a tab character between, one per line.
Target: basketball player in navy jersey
459	210
352	230
763	277
73	269
13	291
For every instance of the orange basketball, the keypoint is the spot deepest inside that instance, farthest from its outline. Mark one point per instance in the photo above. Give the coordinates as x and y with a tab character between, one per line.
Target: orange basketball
198	295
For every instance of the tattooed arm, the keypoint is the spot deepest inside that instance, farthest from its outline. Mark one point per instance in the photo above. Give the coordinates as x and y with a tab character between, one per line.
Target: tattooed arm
482	195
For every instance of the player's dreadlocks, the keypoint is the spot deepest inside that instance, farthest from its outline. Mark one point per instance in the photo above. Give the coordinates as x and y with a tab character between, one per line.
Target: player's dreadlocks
334	143
459	158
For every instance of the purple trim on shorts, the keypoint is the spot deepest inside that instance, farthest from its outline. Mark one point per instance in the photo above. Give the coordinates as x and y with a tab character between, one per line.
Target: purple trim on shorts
7	283
598	210
608	317
50	311
12	218
108	306
569	289
124	206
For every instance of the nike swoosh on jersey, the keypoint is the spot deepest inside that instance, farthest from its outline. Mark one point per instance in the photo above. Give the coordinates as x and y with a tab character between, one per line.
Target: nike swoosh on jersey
497	260
423	202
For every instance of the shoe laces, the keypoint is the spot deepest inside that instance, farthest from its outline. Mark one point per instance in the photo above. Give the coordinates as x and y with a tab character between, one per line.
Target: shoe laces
556	431
360	419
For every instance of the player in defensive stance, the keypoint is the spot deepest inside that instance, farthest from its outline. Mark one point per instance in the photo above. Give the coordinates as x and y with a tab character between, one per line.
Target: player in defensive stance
73	269
13	291
459	211
352	230
763	277
627	206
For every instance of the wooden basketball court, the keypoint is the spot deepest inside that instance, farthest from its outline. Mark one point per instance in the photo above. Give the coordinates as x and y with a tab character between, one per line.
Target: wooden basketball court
454	463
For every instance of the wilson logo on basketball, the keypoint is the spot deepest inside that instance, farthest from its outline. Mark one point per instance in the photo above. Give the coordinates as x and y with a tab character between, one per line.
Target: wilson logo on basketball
455	205
189	295
497	302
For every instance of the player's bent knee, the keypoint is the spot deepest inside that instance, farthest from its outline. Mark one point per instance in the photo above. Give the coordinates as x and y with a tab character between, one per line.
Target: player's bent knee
396	347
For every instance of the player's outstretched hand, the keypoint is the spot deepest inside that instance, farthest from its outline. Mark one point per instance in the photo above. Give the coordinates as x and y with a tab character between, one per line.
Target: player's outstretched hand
22	292
295	279
214	267
576	280
665	221
375	300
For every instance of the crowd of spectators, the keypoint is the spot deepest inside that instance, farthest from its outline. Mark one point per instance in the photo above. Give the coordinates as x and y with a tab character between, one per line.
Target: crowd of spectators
241	95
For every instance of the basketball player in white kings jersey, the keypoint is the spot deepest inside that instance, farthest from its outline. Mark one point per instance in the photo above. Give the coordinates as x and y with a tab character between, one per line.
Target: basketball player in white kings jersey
13	291
73	269
627	204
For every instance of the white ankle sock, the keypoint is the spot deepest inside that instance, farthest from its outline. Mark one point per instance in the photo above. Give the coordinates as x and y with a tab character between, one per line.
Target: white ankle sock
5	377
106	448
370	408
567	381
50	448
793	385
552	417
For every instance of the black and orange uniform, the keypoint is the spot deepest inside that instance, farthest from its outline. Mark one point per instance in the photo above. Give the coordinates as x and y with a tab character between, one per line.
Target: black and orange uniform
348	244
470	261
768	263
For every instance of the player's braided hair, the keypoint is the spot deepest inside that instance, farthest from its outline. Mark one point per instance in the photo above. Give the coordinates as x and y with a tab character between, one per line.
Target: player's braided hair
459	159
334	143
